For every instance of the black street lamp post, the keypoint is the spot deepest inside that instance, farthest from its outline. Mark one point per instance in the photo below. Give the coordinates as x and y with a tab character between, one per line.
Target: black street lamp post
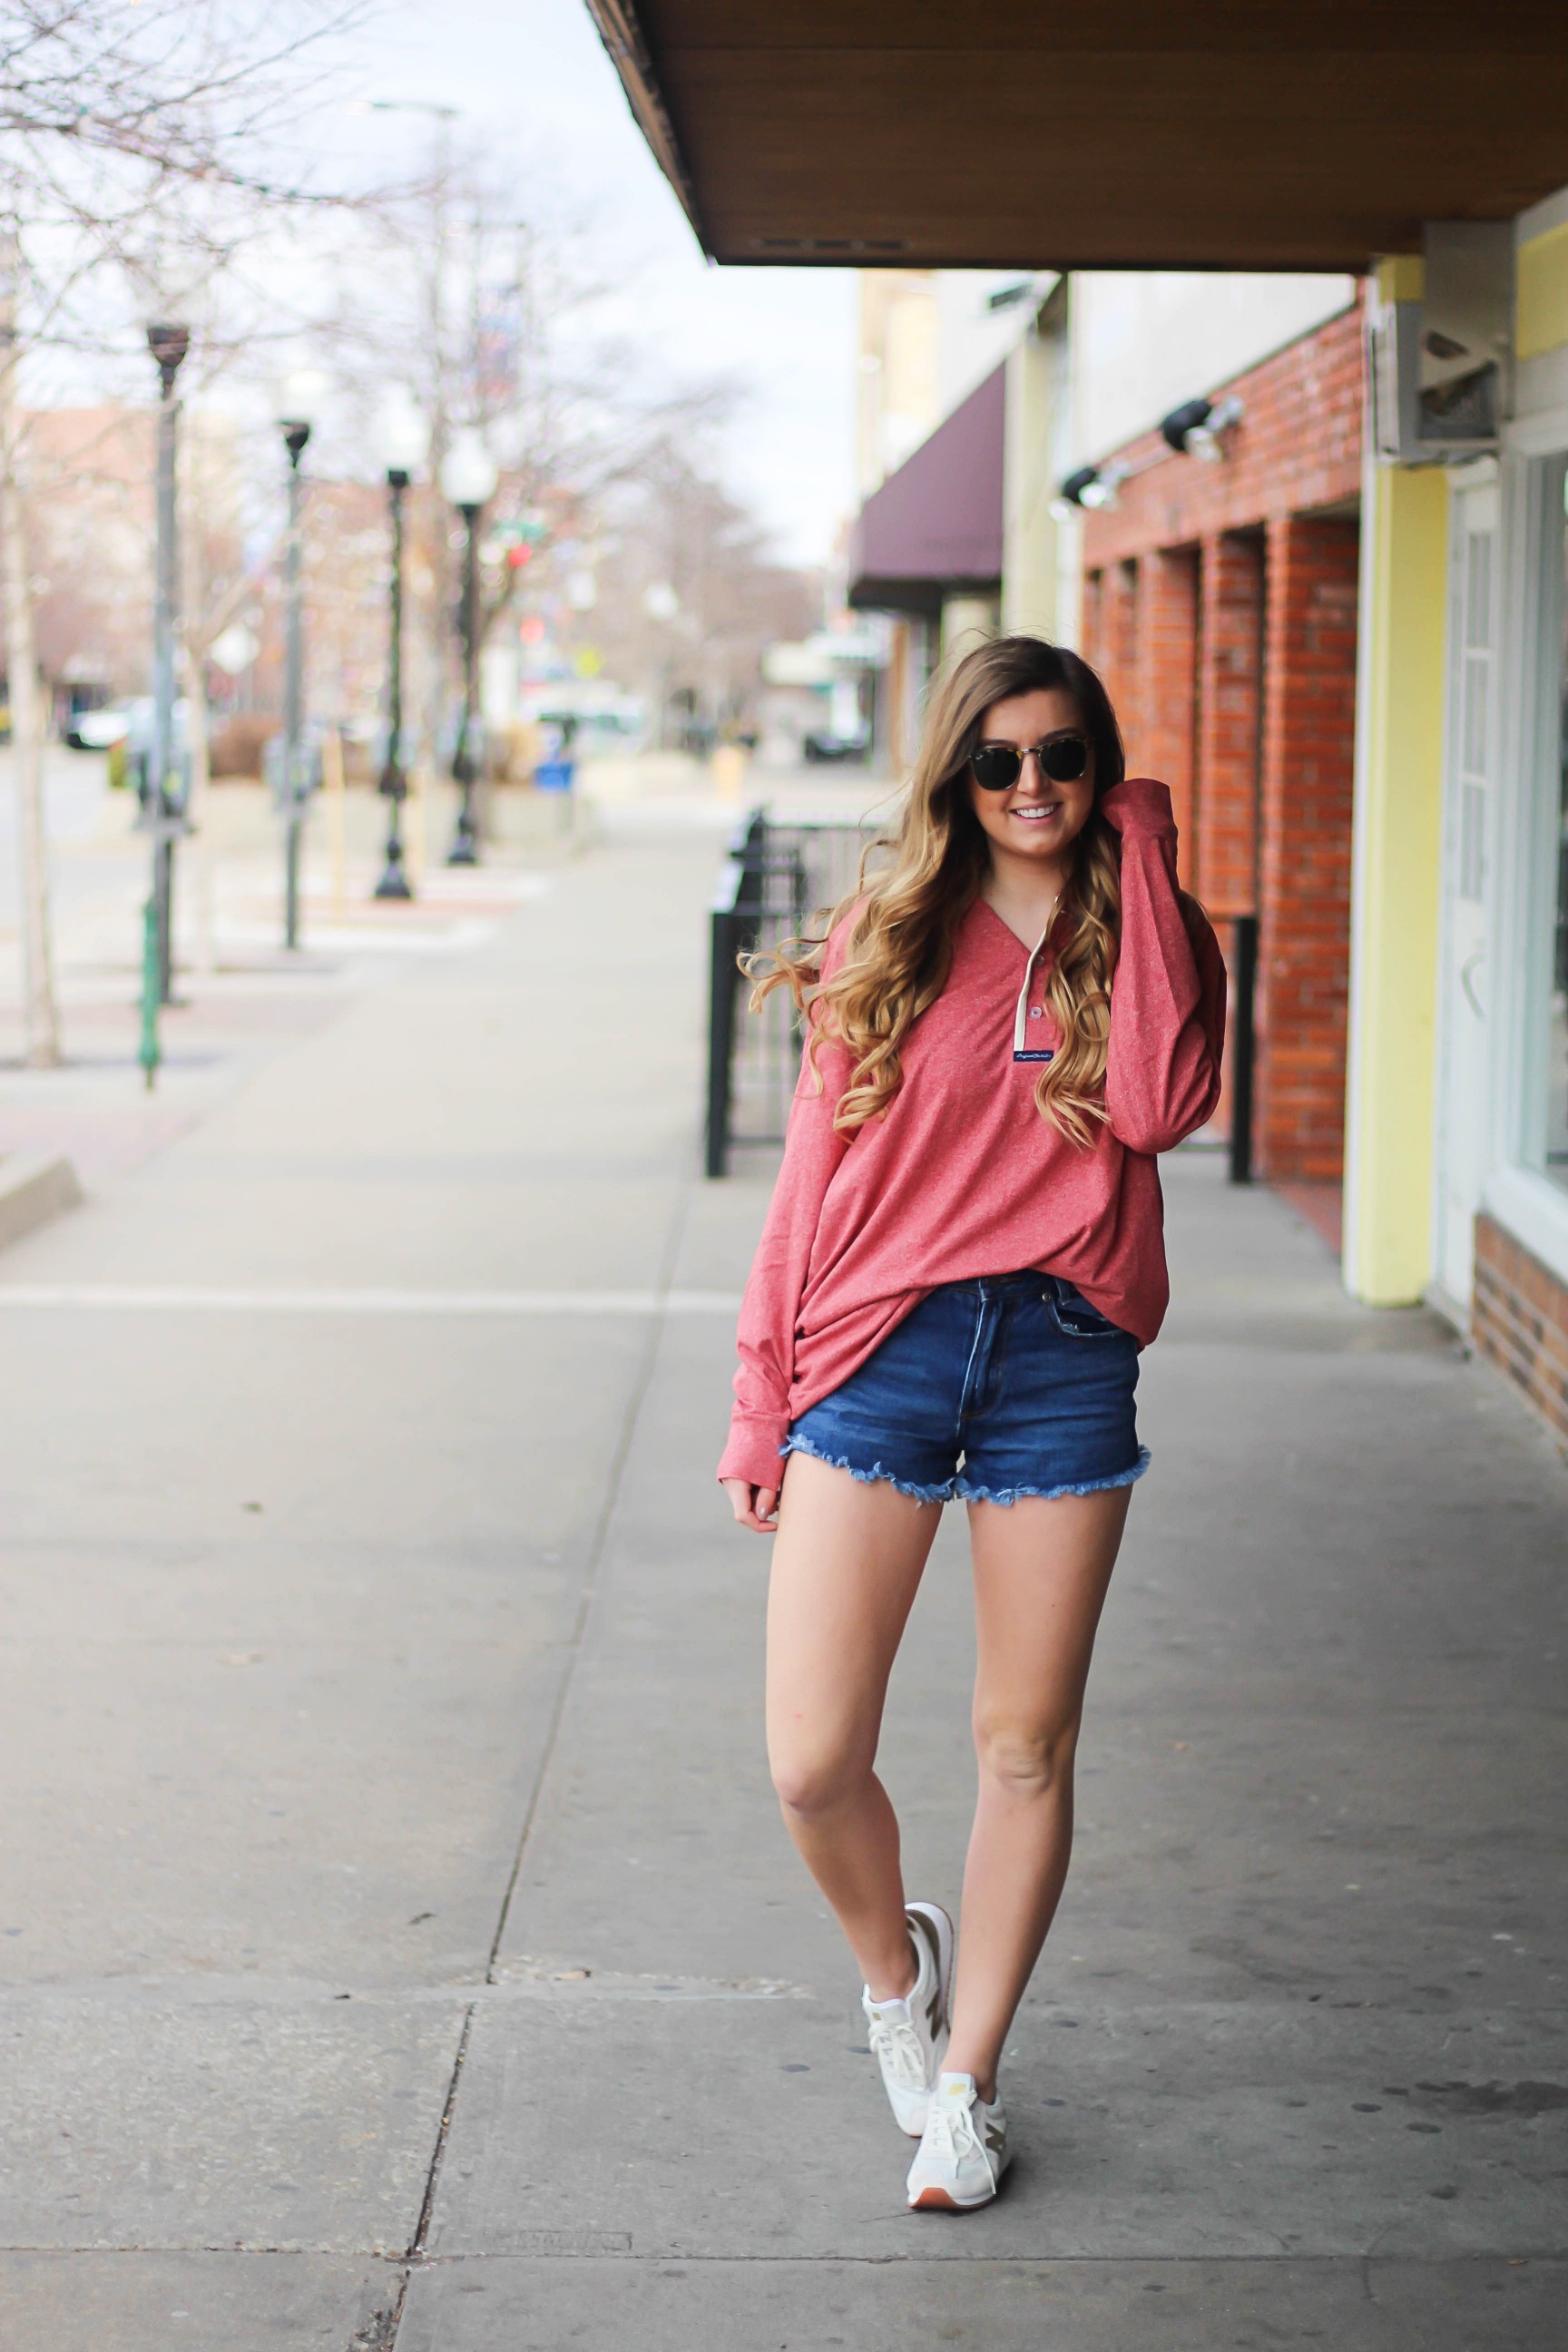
166	795
393	783
295	438
301	396
468	480
465	849
404	443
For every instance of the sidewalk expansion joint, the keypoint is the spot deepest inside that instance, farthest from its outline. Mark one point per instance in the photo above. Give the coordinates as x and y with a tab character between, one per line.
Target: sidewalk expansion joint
656	1307
568	1986
422	2228
584	2251
566	1989
111	1297
662	1295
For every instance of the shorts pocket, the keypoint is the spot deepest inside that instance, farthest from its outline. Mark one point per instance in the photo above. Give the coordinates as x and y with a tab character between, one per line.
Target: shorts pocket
1075	1319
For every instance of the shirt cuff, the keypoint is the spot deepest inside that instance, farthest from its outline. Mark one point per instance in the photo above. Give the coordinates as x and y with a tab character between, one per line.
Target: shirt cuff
1139	804
754	1450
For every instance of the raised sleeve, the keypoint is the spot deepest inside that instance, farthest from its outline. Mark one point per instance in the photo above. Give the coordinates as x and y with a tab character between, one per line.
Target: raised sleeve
770	1310
1167	999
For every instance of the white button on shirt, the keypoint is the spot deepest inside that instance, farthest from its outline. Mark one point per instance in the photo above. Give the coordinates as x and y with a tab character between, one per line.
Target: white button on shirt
1034	1012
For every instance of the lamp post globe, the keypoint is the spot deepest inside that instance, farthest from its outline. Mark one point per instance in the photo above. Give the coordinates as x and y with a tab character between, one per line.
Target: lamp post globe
468	476
302	395
168	344
403	438
469	472
300	398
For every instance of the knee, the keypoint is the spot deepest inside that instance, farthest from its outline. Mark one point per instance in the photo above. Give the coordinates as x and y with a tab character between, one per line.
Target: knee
811	1781
1027	1760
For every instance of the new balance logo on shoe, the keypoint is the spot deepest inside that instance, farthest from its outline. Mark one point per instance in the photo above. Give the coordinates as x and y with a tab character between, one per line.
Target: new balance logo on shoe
909	2037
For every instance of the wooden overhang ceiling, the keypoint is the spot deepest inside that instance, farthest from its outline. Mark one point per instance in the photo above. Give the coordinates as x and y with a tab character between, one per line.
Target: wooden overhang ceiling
1230	135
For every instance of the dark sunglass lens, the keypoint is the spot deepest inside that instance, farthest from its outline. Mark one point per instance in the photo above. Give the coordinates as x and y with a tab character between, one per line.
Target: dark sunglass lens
1065	760
996	767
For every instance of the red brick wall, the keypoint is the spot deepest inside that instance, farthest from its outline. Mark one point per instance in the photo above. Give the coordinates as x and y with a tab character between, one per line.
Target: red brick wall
1234	675
1308	764
1519	1318
1167	702
1230	719
1118	636
1094	619
1299	445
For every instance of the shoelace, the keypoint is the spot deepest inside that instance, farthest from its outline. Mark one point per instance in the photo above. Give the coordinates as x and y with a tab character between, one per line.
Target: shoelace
897	2045
954	2136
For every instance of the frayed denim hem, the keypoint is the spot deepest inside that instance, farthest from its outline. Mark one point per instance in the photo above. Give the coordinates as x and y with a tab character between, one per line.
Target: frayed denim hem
875	1476
1008	1494
958	1490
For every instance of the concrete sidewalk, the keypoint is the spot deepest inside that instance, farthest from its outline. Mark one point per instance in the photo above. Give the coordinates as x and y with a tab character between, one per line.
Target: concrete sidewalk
400	1946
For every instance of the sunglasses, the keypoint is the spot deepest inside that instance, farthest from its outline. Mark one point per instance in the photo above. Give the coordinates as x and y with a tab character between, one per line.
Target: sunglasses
996	767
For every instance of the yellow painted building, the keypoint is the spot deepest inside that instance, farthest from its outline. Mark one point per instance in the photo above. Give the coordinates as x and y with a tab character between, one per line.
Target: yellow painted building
1457	1178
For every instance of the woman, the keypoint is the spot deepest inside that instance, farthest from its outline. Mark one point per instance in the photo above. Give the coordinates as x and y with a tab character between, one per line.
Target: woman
963	1259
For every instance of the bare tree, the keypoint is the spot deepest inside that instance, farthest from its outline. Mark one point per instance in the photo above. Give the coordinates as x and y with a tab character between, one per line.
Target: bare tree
41	1027
694	645
491	307
131	132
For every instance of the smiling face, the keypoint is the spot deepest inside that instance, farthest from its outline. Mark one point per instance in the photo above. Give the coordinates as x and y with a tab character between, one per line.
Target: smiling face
1035	818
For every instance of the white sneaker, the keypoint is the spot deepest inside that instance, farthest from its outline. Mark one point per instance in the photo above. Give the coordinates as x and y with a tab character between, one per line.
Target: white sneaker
908	2037
963	2153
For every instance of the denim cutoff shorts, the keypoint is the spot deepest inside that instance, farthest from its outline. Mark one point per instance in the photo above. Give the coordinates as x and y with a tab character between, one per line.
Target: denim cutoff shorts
1010	1385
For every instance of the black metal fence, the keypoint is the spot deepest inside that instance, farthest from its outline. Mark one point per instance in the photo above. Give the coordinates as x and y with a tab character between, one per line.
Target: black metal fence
779	878
1243	1045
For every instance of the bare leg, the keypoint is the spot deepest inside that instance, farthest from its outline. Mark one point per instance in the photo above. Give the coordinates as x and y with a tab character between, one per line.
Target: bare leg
1041	1571
847	1561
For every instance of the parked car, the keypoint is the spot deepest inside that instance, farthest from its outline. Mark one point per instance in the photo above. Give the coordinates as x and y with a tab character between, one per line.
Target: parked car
97	731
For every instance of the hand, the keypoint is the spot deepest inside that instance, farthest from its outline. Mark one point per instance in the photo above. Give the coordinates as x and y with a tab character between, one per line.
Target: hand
755	1507
1138	804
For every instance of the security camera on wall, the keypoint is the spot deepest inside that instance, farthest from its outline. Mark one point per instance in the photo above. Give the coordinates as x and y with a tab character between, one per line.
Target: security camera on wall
1439	366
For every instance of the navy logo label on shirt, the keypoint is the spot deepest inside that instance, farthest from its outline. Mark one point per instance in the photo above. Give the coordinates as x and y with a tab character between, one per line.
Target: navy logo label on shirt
1048	1054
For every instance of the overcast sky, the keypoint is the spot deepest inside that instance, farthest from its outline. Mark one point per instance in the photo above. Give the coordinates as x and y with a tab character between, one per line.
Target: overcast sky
533	72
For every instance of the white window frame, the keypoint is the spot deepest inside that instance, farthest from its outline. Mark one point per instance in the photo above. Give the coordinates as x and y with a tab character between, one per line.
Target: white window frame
1477	473
1522	893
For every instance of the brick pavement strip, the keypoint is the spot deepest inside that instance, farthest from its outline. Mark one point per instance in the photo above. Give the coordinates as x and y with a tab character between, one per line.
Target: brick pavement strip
390	1861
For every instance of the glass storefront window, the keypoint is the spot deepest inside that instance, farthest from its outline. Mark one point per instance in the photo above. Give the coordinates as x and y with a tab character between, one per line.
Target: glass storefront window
1557	1045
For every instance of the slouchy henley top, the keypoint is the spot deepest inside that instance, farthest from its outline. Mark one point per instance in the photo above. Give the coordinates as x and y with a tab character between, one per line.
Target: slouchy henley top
960	1176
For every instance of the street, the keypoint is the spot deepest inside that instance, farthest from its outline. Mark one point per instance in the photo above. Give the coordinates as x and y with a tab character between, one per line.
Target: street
400	1946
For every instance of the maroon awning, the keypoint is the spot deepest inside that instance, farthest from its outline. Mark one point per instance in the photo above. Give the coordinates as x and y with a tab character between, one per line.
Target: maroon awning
934	528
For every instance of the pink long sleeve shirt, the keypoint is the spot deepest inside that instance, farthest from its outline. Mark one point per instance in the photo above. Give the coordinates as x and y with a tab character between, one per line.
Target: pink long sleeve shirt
960	1176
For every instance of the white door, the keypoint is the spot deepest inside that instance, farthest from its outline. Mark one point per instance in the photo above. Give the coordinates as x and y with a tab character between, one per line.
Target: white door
1469	797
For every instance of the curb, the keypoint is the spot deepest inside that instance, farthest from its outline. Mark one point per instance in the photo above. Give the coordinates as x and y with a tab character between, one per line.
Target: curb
35	1189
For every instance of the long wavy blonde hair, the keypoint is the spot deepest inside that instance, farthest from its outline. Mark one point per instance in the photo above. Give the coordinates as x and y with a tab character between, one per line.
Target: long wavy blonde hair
906	915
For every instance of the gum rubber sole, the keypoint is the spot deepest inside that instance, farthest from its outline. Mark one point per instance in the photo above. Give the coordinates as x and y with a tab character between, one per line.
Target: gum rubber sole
937	2200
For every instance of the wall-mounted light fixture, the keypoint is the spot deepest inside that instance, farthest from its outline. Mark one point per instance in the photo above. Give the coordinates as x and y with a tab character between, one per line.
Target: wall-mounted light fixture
1194	430
1094	486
